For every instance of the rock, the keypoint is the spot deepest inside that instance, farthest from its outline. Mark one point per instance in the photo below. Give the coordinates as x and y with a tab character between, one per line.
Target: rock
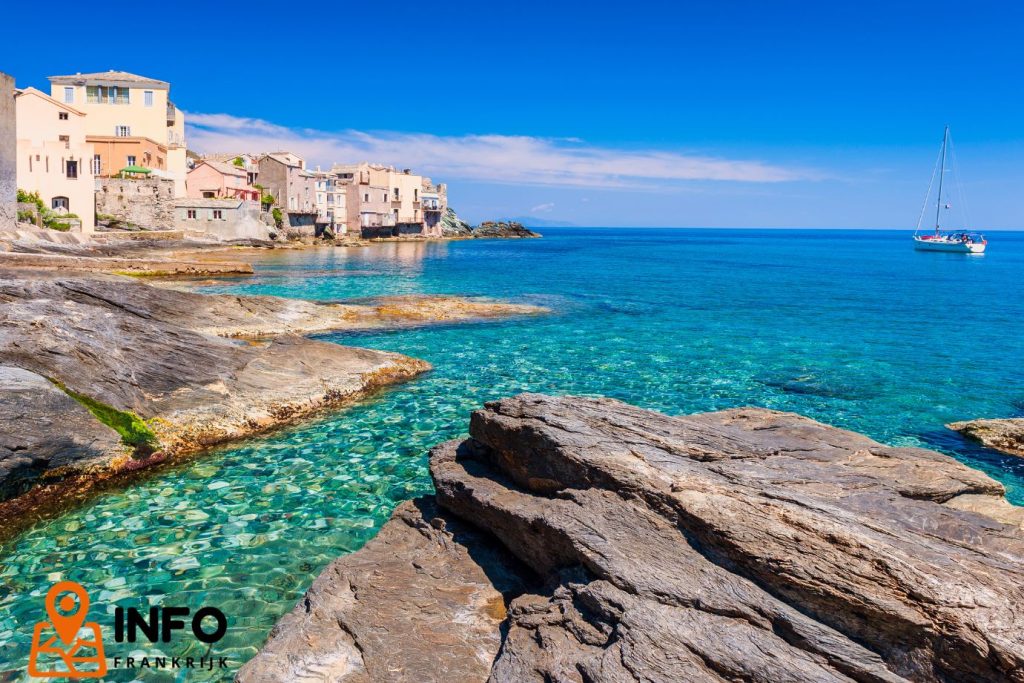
744	545
502	229
166	356
1005	435
42	429
453	226
414	588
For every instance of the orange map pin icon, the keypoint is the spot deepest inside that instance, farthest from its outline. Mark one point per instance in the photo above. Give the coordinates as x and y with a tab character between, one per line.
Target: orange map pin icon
67	626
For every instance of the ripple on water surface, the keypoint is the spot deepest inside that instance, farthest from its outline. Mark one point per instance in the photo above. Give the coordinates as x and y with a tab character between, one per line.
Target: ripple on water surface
830	325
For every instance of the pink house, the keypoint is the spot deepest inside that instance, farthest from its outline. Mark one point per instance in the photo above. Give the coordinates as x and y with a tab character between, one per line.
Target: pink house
218	180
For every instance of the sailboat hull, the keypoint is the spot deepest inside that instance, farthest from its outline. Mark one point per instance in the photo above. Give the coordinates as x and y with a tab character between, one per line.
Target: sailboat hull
949	246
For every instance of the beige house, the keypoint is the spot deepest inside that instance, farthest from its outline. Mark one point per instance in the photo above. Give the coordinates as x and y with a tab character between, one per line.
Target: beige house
53	155
129	118
383	201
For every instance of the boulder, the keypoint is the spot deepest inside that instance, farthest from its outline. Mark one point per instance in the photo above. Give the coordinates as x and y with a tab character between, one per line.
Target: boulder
744	545
1006	435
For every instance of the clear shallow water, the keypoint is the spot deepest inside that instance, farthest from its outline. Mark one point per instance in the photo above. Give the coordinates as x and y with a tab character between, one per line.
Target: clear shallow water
852	328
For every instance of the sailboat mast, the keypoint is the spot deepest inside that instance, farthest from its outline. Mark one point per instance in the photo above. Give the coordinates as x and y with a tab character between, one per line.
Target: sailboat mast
942	172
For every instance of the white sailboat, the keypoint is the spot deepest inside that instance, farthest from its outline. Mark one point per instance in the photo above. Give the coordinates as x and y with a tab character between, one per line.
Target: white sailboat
960	241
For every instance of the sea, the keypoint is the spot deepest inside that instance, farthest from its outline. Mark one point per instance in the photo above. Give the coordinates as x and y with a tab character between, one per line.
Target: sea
853	328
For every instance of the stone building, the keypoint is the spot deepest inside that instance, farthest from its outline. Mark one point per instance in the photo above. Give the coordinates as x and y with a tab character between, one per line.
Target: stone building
284	175
223	219
8	148
145	202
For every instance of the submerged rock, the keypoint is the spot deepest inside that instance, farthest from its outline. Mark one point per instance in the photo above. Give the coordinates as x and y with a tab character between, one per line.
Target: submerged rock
1006	435
745	545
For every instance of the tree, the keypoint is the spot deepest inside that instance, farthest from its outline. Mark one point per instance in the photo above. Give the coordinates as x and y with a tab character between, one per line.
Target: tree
239	161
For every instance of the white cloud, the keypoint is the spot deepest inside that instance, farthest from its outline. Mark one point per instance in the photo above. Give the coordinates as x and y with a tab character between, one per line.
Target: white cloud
543	208
513	159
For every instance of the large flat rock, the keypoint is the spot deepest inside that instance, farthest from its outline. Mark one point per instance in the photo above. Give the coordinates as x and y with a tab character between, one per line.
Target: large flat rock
42	429
745	545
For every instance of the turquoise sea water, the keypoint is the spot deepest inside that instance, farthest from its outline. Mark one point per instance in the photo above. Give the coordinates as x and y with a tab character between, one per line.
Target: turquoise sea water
852	328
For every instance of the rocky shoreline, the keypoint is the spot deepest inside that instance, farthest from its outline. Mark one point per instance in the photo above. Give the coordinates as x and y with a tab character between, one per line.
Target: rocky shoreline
106	375
579	539
1005	435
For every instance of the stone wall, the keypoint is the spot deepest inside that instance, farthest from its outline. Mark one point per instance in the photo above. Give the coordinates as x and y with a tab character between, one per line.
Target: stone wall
8	150
147	203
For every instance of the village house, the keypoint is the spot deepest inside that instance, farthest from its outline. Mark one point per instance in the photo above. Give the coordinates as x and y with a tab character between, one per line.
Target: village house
330	201
130	121
249	162
219	180
284	176
385	202
53	155
224	219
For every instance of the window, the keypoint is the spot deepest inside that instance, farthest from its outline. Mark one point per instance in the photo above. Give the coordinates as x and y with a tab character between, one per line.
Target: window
131	160
209	195
122	131
60	203
96	164
415	194
385	196
191	214
396	194
366	197
66	140
72	169
147	98
218	214
63	115
69	95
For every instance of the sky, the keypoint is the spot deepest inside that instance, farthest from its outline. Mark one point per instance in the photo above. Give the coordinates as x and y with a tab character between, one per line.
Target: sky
728	113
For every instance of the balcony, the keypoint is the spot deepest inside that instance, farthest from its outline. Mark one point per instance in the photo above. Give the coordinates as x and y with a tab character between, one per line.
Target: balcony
172	114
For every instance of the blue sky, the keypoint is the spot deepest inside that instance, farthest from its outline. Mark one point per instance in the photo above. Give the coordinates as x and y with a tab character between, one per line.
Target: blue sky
720	113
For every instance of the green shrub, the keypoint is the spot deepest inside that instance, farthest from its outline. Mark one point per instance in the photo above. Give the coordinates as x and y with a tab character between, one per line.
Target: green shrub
278	217
239	161
59	227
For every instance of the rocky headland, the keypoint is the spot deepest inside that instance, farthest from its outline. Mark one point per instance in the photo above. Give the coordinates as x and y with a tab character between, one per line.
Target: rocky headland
579	539
454	227
104	375
1006	435
503	229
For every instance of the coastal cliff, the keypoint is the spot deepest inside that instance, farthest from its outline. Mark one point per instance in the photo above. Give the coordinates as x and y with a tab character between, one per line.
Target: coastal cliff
579	539
106	375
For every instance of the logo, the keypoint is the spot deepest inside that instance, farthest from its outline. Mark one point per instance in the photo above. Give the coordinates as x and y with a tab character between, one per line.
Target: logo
58	640
67	646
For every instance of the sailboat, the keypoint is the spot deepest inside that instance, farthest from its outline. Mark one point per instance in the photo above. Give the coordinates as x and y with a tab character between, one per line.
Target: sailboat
961	241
